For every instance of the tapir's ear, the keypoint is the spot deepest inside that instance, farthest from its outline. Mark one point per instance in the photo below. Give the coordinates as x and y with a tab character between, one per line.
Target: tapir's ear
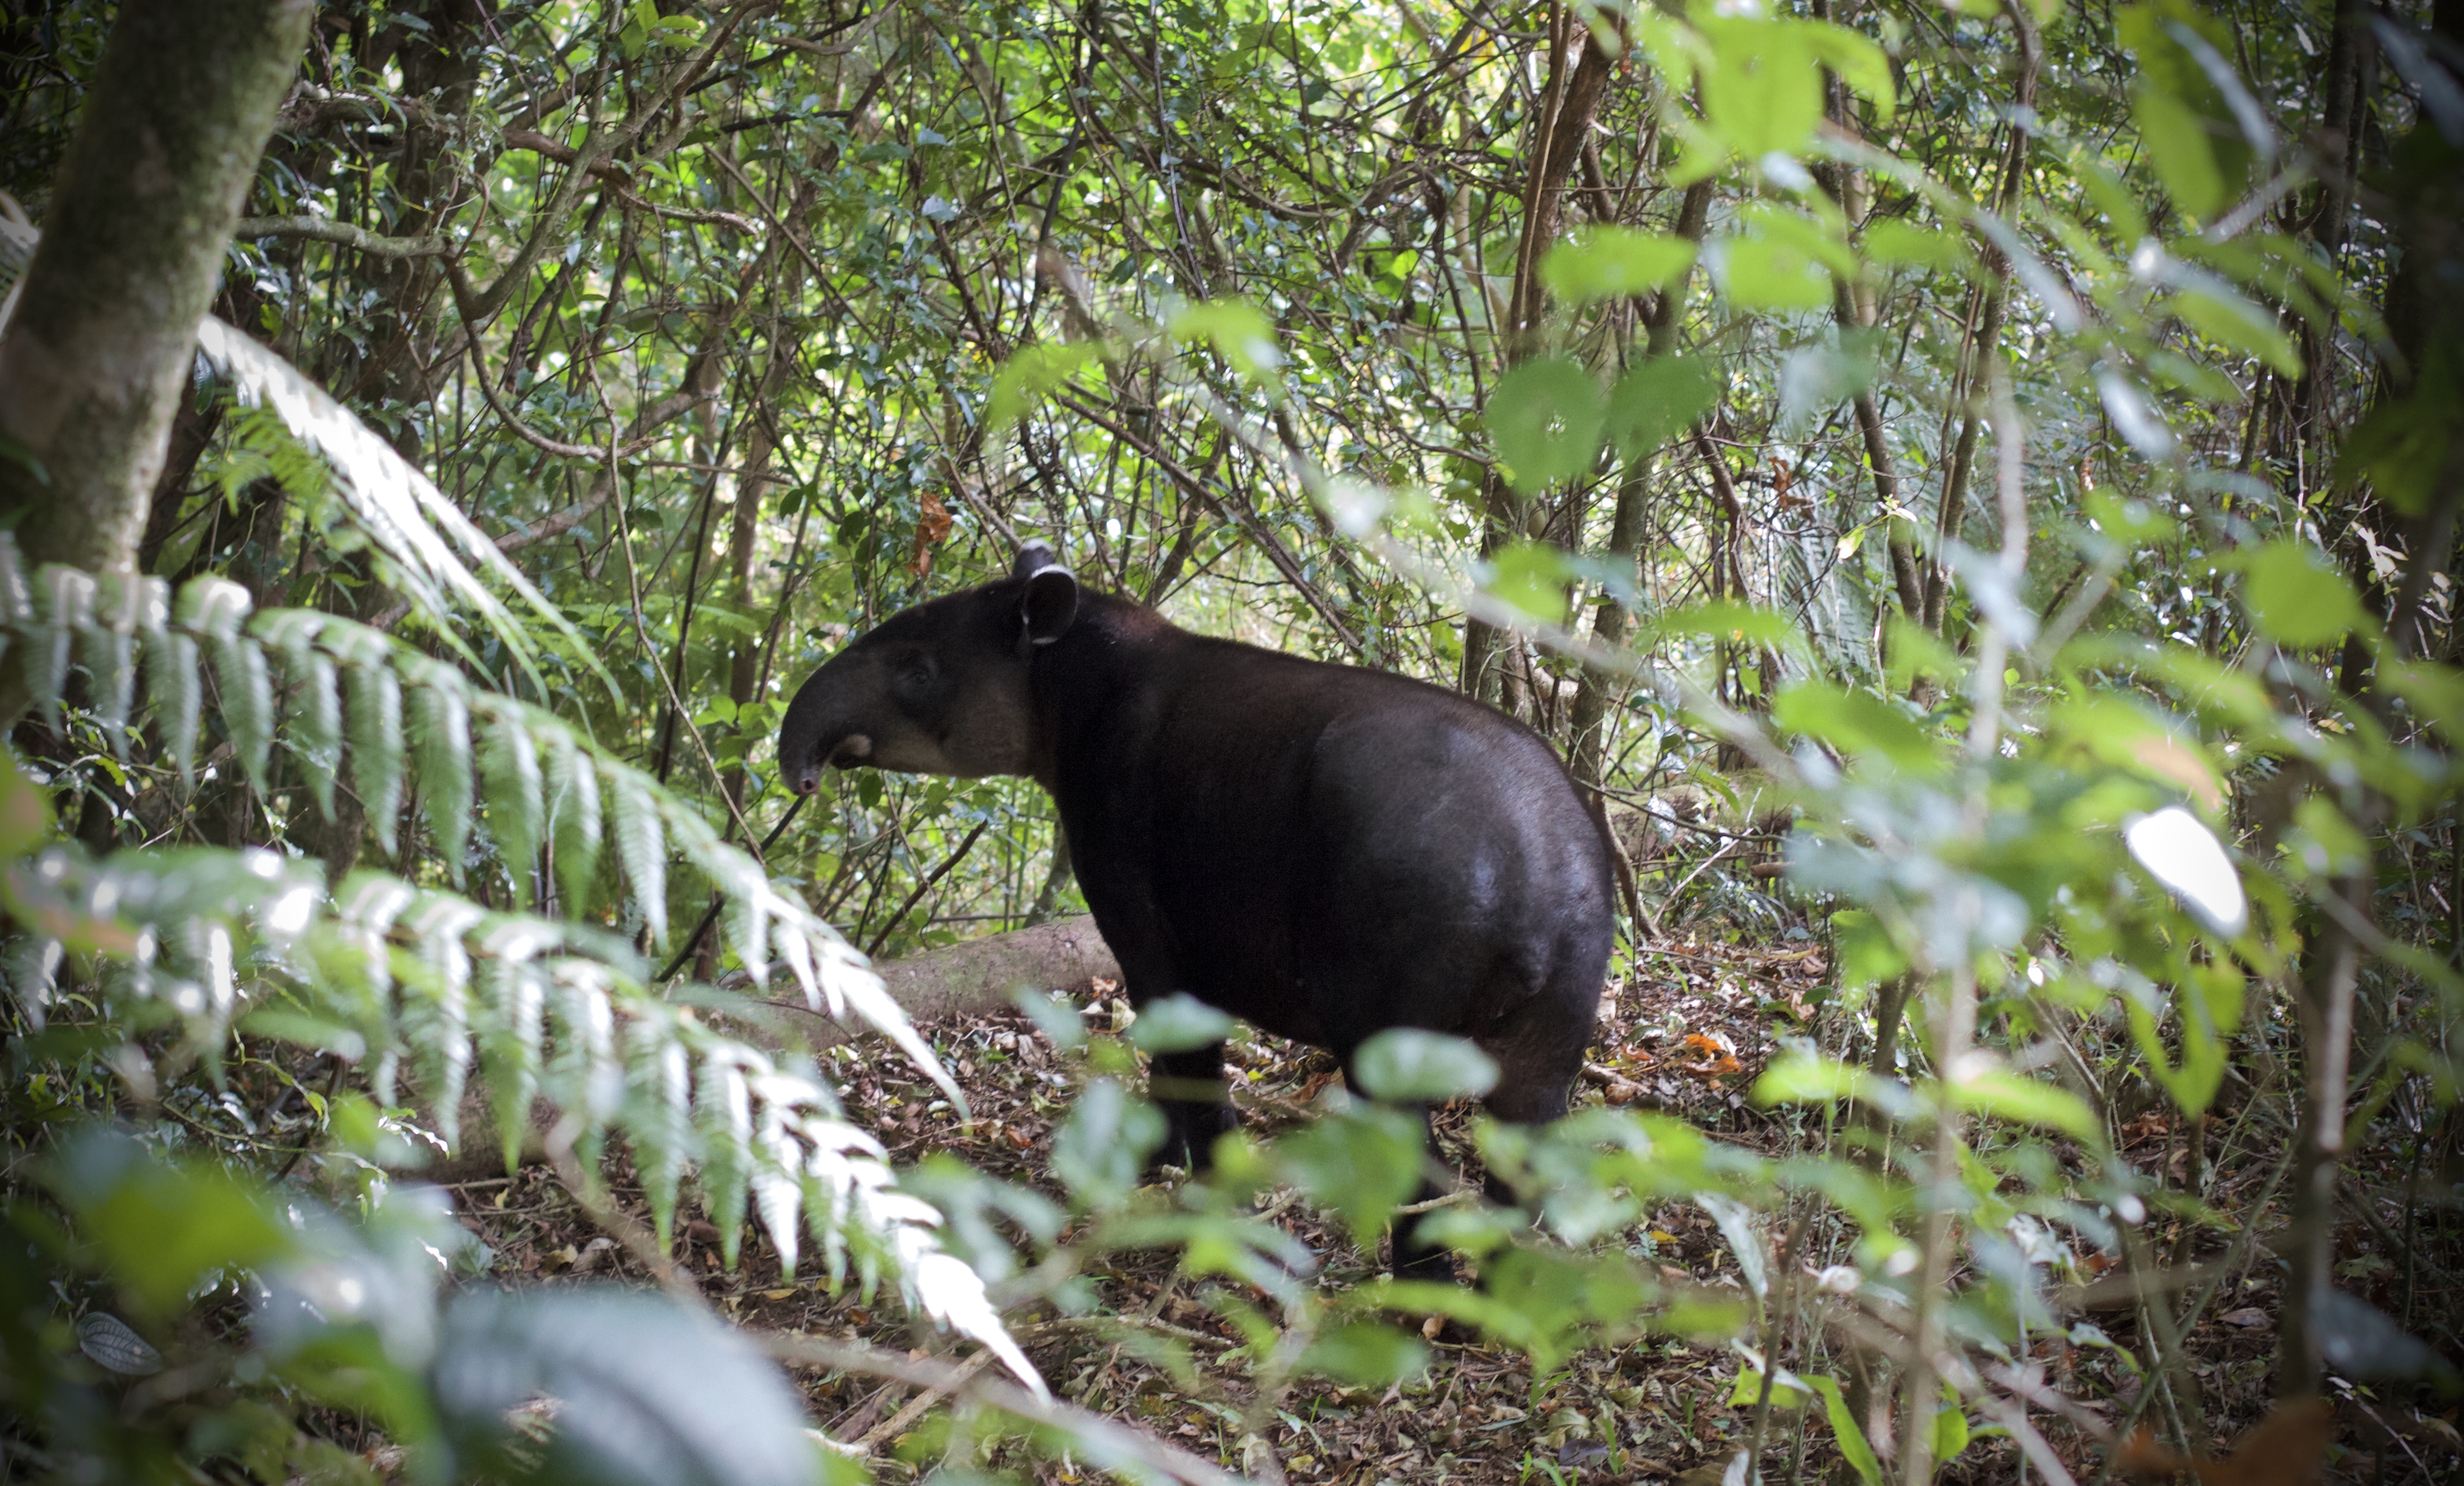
1033	559
1048	605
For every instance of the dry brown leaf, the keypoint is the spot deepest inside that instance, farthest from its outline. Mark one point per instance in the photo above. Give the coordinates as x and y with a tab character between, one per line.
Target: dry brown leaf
932	526
2286	1449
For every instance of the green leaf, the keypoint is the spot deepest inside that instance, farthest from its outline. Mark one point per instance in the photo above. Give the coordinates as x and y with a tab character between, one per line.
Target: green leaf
1787	1390
641	845
1852	1447
1761	274
1029	377
1238	330
1406	1066
25	814
1606	262
2025	1101
509	765
373	715
1854	721
2296	596
1868	954
178	692
157	1229
2176	141
1363	1354
442	739
1897	244
1762	91
1532	577
1658	400
1545	416
1101	1148
1178	1023
1859	63
2236	323
1361	1163
573	826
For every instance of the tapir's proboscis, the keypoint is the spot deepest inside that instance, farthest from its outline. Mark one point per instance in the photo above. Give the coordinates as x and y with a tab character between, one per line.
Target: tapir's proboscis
1322	851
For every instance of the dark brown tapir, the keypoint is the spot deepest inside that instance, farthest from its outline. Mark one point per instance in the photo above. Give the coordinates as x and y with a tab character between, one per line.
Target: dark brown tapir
1322	851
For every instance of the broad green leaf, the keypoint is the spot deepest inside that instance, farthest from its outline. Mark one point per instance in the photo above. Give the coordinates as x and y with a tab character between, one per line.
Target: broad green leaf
2296	596
1100	1149
1788	1390
2234	322
1361	1163
1406	1066
158	1228
1759	273
1029	377
1545	416
1606	262
1532	577
1238	330
2176	141
1868	954
1897	244
2025	1101
1861	64
1658	400
1762	89
1855	721
1178	1023
1852	1446
1363	1354
24	815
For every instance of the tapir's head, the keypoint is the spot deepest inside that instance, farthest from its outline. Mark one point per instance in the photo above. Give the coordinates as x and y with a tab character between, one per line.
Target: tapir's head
938	689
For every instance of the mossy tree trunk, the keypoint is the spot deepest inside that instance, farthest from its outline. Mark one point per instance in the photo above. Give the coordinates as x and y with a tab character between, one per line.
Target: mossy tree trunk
97	358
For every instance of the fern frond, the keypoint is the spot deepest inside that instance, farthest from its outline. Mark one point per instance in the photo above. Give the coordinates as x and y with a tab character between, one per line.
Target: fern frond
399	508
442	741
640	844
509	764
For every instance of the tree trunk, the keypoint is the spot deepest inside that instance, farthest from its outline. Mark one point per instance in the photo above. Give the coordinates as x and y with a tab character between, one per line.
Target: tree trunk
95	364
1599	687
1567	106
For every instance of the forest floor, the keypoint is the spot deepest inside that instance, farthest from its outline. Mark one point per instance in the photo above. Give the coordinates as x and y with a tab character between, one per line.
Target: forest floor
1687	1035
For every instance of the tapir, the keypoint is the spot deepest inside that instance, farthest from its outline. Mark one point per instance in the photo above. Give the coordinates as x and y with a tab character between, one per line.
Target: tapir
1324	851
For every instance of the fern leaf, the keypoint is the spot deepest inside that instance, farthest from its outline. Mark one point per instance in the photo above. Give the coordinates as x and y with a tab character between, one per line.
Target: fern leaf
661	1126
592	1075
313	723
574	821
374	718
441	1037
512	1051
66	594
509	765
724	1114
109	650
216	608
178	694
641	845
442	741
776	1189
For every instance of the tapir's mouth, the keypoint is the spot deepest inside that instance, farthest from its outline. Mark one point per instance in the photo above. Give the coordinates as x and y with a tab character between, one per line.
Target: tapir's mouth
852	750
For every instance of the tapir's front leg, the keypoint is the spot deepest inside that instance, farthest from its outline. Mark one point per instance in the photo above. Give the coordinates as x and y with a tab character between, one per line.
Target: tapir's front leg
1189	1088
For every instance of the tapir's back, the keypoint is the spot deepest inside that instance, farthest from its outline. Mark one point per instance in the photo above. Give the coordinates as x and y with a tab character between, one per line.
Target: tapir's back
1326	850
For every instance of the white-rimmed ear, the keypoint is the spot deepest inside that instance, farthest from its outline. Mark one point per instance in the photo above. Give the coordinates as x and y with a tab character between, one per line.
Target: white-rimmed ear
1033	559
1048	605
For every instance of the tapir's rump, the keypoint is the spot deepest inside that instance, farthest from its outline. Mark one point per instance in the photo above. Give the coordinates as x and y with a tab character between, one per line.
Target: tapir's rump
1322	850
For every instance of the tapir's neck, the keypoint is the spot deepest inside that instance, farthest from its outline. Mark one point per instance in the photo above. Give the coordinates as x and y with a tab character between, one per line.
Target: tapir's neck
1114	654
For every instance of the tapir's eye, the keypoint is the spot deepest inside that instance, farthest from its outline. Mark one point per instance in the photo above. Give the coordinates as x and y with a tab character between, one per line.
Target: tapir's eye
915	672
